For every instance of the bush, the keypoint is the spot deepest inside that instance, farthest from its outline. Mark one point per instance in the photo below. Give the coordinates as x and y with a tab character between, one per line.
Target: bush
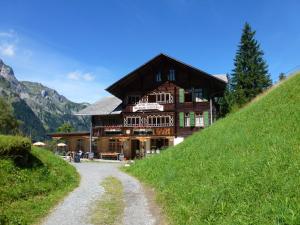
14	145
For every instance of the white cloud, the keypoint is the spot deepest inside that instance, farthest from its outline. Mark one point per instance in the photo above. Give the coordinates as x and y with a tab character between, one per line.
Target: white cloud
8	43
38	61
77	75
8	49
88	77
8	34
74	75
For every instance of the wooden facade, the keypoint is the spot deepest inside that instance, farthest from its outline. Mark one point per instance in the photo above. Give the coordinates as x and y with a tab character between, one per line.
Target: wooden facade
75	141
162	102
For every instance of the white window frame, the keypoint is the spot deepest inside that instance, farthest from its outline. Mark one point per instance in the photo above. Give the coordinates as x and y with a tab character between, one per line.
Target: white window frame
199	120
187	120
160	121
128	121
161	97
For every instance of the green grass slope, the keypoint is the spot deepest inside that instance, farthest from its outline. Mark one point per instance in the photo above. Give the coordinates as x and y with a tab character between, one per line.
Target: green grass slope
244	169
28	193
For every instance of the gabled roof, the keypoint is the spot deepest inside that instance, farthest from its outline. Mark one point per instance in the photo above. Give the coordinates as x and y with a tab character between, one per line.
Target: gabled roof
127	77
105	106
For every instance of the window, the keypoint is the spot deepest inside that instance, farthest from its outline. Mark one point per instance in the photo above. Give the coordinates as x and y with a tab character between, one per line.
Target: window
187	120
160	121
79	145
132	121
133	99
159	143
161	97
114	146
171	75
158	77
199	122
113	121
152	98
198	95
188	96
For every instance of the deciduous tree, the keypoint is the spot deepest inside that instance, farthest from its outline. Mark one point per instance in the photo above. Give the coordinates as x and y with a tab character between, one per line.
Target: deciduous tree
65	128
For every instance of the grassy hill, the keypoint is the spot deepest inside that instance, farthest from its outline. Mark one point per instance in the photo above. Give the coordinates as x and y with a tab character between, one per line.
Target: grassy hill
28	191
244	169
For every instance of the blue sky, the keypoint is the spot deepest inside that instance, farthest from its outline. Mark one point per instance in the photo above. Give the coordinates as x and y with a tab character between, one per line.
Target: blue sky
81	47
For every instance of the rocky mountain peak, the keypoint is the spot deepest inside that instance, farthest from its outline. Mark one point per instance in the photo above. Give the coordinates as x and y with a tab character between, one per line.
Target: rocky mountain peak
8	73
40	108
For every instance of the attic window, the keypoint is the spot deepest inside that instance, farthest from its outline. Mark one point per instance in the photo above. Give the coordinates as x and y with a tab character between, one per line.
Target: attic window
171	75
158	77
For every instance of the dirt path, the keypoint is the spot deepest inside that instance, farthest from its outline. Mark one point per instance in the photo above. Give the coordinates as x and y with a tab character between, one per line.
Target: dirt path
74	210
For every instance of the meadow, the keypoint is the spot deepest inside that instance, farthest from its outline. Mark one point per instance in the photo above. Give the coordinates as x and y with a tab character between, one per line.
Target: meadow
29	190
244	169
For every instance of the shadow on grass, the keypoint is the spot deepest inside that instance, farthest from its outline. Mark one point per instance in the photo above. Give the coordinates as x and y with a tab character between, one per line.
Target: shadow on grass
26	161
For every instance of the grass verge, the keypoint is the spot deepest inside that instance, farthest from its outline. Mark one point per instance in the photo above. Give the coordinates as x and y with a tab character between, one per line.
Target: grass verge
244	169
109	208
27	193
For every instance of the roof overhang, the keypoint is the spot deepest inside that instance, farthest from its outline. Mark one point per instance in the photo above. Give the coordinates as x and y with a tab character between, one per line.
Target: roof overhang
71	134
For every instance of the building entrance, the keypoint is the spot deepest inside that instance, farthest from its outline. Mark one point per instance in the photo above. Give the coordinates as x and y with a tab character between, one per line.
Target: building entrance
135	148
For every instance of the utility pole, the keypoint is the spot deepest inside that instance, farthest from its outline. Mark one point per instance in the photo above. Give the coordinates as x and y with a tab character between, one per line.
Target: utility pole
211	111
91	133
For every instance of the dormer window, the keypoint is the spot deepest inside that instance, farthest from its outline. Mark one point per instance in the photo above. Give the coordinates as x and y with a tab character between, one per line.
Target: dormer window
171	75
158	77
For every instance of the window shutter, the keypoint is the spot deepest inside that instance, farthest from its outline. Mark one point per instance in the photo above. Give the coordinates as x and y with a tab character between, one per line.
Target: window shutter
181	119
192	119
205	94
206	119
181	95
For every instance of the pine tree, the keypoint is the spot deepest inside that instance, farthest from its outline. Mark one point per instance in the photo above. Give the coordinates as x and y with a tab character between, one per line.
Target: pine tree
8	123
250	75
282	76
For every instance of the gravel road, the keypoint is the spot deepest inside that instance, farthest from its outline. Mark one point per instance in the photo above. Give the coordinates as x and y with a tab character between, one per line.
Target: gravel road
74	209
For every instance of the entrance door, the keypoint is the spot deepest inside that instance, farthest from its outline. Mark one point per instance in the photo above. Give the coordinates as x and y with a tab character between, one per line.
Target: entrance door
135	145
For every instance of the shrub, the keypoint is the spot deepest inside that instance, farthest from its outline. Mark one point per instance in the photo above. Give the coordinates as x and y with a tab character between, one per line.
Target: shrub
14	145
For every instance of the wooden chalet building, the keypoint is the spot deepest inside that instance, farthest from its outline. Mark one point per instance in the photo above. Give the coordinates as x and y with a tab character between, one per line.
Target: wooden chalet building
155	106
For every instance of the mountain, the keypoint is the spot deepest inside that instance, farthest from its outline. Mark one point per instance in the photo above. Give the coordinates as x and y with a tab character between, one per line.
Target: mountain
41	109
244	169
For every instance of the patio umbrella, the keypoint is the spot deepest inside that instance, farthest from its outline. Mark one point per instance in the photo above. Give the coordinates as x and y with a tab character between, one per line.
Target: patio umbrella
39	144
61	145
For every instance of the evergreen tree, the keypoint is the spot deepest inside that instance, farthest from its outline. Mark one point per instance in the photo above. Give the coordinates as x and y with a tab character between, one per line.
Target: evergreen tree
250	75
226	101
282	76
8	123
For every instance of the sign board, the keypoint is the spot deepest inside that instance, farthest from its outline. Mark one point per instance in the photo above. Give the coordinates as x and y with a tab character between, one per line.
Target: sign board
147	106
91	155
163	131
